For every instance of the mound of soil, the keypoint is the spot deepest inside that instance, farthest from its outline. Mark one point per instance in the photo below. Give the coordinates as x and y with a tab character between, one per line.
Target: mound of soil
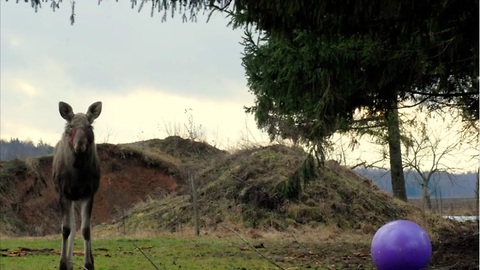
187	152
245	188
30	205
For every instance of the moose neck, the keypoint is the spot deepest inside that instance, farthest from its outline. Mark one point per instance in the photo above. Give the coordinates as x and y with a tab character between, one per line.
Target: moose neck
84	159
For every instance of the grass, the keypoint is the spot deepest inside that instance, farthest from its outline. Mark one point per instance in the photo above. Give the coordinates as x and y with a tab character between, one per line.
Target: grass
189	252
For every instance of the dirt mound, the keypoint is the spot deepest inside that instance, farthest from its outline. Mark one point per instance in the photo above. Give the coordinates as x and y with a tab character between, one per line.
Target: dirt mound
337	197
242	189
29	203
186	151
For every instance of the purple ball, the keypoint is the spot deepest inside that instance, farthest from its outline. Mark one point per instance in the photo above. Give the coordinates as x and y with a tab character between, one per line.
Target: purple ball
401	244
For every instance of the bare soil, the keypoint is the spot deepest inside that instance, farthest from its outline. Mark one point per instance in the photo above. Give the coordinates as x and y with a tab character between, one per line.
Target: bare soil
126	180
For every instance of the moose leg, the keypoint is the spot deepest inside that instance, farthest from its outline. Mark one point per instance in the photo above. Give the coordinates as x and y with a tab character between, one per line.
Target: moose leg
86	211
68	234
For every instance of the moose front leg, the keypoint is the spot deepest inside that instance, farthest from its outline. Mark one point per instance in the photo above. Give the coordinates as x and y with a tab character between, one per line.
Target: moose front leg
68	234
86	212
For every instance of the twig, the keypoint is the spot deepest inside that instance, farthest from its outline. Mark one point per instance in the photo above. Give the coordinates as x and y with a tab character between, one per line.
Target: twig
446	267
145	255
77	264
221	9
252	247
72	17
301	245
295	239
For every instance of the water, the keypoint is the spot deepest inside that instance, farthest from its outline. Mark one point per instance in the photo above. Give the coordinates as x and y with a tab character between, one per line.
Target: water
462	218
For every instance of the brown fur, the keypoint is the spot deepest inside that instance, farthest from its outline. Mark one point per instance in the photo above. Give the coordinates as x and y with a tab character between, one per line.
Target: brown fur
76	172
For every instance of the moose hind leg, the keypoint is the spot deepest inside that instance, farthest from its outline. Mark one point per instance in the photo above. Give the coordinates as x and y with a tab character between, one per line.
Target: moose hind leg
86	212
68	234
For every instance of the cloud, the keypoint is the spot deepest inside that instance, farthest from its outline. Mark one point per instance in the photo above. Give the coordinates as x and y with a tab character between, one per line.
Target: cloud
14	129
28	89
139	114
113	48
150	113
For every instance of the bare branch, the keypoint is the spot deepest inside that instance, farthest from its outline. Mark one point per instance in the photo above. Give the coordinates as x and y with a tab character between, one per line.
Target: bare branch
430	94
145	255
252	247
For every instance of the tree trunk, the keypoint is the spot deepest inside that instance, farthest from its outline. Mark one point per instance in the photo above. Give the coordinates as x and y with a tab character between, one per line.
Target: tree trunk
476	195
427	203
396	166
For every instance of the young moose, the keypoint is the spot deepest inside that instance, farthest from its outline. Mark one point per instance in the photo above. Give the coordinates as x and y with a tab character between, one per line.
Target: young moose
76	172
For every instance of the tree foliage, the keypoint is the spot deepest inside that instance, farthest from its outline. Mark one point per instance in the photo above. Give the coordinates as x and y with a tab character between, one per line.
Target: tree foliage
369	54
429	48
16	148
301	85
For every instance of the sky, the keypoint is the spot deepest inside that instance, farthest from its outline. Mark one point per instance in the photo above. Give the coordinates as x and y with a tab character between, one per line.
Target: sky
151	77
154	78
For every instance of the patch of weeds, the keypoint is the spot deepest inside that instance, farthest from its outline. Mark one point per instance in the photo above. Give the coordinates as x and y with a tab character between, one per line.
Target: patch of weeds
8	175
10	224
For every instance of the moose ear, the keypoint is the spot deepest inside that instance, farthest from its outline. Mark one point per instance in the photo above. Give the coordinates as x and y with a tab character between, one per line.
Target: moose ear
94	111
66	111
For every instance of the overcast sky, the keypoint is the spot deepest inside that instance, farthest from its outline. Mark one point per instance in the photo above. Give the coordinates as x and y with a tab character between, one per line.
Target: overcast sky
146	73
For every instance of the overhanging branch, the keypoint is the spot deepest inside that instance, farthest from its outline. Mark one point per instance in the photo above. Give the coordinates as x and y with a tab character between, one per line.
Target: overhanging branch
464	94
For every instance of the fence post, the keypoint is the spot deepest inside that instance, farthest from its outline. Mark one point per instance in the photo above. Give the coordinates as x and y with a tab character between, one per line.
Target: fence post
476	194
196	215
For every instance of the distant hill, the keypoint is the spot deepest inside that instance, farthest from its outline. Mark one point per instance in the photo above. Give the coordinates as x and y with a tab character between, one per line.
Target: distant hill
17	149
443	185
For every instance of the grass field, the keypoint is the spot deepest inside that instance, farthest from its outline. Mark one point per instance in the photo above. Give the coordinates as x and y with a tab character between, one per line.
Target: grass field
189	252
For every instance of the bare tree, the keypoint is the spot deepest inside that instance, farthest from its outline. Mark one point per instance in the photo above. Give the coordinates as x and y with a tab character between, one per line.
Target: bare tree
434	144
341	147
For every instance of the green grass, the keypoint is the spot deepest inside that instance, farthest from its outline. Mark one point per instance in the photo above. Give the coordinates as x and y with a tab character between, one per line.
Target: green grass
175	252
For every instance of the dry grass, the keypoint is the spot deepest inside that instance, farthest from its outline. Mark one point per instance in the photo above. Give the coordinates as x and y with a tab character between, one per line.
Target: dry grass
450	206
150	155
239	191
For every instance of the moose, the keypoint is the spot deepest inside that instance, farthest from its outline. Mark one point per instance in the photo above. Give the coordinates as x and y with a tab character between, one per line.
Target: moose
76	173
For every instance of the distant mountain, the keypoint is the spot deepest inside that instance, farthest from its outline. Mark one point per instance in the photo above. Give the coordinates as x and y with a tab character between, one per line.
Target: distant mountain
16	149
443	185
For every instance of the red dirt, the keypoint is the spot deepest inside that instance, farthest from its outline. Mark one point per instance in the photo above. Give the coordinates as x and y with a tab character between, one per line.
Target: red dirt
125	181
